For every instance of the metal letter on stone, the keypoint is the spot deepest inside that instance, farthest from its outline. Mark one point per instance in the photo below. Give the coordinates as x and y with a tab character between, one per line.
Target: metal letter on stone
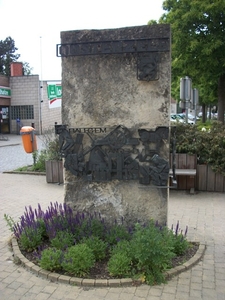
99	154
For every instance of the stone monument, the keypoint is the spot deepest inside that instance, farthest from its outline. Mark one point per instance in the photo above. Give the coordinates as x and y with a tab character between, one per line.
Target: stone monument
115	113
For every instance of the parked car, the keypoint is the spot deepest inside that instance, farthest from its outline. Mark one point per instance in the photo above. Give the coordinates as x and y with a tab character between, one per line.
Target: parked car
180	118
191	118
176	118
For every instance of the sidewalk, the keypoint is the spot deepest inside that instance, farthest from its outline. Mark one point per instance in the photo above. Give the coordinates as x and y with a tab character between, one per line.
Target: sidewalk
203	213
12	153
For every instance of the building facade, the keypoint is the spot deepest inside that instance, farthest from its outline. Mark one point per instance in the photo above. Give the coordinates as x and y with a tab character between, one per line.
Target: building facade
27	101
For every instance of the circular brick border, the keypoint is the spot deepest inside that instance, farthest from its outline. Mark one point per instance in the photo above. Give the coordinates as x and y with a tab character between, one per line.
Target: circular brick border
99	282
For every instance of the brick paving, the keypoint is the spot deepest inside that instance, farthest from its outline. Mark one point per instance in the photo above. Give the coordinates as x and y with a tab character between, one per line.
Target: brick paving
202	212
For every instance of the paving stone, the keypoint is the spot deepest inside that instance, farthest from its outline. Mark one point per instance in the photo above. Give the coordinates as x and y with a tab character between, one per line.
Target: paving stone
112	296
202	212
42	296
166	296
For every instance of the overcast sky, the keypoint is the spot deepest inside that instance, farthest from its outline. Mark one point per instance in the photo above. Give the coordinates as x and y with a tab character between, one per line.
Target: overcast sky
35	25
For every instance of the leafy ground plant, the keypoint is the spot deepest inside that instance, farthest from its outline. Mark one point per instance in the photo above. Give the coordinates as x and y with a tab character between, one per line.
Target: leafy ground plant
82	244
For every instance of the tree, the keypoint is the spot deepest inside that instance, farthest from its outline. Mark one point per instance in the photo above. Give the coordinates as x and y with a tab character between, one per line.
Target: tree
8	55
152	22
198	46
26	68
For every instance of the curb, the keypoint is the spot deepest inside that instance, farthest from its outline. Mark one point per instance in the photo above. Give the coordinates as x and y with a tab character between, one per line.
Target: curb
24	173
188	264
55	277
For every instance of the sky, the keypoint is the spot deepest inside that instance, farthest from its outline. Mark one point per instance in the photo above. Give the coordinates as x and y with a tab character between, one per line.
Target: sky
35	25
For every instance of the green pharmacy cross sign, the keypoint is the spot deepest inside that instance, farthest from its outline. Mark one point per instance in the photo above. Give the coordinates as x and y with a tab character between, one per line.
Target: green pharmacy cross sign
54	92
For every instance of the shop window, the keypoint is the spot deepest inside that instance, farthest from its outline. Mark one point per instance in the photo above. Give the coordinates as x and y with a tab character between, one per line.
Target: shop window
22	112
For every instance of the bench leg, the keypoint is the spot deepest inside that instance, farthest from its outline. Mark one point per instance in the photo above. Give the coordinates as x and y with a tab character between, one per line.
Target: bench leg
192	191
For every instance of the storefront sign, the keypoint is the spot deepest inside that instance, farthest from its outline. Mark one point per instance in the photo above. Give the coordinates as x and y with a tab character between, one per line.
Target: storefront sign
54	90
5	92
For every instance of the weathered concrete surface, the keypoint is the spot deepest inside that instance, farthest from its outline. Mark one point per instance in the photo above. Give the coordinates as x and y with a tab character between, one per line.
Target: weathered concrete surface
117	200
103	91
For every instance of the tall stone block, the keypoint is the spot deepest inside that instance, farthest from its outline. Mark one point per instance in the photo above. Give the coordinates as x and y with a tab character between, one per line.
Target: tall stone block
115	103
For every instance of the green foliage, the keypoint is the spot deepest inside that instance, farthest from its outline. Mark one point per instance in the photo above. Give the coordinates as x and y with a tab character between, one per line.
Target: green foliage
151	251
30	239
50	151
91	227
35	155
51	259
40	162
119	265
198	47
180	244
123	246
10	222
41	227
97	228
27	70
207	143
98	247
78	260
51	144
8	55
62	240
117	233
120	262
147	254
143	253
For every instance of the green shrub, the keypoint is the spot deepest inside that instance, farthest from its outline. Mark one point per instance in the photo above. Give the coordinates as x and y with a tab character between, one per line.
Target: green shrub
123	246
180	244
207	144
10	222
97	227
51	259
98	247
119	265
62	240
40	161
78	260
151	252
30	239
120	262
144	252
117	233
91	226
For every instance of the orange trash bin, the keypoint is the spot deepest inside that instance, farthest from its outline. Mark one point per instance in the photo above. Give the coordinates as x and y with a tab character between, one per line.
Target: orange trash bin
28	139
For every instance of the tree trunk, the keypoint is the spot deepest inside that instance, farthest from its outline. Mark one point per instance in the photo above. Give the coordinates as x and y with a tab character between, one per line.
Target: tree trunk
221	98
203	113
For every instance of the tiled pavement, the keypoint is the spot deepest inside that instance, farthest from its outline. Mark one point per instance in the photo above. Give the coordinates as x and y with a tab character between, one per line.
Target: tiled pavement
204	213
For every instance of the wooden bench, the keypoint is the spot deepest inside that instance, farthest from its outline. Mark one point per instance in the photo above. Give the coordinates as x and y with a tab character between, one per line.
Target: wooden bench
184	172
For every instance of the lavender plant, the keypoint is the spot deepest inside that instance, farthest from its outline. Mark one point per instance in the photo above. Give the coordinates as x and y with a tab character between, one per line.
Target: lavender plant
63	240
179	239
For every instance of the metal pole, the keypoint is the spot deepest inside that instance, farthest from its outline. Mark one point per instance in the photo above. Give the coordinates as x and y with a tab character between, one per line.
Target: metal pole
41	87
187	95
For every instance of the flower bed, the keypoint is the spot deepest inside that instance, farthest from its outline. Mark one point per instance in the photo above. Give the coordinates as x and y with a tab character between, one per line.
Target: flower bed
84	245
